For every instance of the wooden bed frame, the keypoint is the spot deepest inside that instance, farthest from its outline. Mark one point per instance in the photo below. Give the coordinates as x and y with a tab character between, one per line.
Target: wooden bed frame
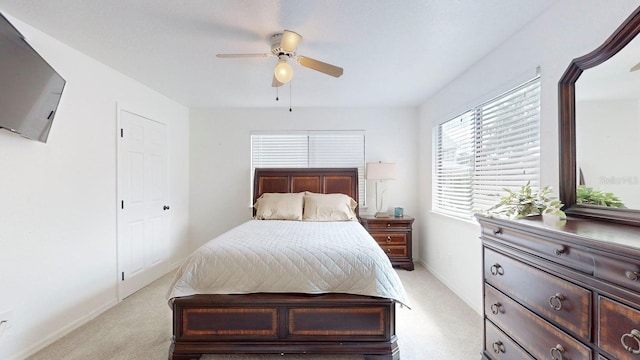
287	323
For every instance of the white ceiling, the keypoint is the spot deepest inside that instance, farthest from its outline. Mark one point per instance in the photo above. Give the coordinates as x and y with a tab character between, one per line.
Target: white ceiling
394	53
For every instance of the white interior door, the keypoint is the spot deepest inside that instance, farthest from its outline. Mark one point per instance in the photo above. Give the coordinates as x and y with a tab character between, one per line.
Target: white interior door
142	206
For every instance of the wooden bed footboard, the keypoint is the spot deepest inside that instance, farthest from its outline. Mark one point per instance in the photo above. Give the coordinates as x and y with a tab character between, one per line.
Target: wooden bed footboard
283	324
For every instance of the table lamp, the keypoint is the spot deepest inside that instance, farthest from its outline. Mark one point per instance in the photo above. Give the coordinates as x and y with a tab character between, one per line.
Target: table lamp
379	171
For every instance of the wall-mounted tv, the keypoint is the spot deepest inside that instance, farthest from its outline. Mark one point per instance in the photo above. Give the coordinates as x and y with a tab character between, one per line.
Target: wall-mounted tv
30	89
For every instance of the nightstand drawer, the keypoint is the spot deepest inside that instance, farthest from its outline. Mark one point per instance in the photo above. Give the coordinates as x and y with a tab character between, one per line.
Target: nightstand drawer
390	238
394	237
391	223
394	251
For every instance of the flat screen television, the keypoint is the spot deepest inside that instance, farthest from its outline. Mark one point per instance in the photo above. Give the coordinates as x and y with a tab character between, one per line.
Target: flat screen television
30	89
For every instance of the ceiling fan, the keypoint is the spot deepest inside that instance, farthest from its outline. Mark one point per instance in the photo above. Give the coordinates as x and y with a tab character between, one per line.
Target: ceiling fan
283	46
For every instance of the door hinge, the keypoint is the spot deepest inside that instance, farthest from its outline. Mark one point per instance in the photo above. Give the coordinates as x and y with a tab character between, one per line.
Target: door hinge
123	276
122	204
121	132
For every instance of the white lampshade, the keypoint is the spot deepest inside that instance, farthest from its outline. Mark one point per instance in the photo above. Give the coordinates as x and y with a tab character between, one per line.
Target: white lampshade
283	71
380	171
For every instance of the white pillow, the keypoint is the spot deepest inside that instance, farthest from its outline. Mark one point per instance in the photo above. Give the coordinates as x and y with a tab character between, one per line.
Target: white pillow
279	206
329	207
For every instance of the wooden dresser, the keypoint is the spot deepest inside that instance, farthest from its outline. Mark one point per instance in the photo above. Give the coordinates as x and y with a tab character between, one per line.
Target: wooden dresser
567	290
393	234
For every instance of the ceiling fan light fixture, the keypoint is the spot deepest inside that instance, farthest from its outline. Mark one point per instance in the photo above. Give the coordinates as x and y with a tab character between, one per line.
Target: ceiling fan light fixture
283	71
284	46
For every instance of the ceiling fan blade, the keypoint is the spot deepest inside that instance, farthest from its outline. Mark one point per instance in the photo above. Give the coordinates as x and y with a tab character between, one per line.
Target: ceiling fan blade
228	56
636	67
319	66
290	41
275	82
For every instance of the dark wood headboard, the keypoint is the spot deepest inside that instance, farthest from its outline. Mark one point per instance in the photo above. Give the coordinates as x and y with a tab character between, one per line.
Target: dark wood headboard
317	180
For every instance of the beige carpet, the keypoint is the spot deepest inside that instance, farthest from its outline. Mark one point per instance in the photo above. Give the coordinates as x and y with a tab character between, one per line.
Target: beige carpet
439	326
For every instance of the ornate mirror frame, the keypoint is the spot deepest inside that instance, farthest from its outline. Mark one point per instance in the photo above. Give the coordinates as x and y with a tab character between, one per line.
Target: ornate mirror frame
567	126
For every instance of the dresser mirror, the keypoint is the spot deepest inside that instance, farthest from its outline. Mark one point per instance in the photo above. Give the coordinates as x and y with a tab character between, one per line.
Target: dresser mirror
599	99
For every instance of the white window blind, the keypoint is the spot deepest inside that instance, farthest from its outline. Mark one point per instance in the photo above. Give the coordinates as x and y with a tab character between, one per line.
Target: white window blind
454	166
279	150
507	144
491	147
310	149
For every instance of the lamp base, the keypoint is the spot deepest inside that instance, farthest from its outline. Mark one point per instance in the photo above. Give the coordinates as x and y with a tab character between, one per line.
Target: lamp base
382	215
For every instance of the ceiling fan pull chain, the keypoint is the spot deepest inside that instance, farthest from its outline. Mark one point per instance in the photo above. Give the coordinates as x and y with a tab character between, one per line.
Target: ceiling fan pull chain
277	95
290	96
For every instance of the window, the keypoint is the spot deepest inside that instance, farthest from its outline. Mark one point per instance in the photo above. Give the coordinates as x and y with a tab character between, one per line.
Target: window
302	149
494	146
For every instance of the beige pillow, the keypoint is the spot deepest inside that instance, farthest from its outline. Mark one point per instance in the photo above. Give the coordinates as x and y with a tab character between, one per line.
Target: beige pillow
329	207
279	206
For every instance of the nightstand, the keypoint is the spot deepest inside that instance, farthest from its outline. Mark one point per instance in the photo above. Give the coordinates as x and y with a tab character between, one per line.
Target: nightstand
393	234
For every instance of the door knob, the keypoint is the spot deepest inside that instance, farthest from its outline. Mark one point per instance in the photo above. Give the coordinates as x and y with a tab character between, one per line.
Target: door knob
166	207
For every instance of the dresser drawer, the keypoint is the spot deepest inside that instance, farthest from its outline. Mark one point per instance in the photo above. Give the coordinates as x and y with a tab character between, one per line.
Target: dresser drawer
390	238
550	249
564	303
394	251
533	333
620	271
619	329
500	346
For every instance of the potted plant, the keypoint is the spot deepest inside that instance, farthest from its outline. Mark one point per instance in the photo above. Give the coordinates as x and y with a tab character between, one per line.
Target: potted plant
527	202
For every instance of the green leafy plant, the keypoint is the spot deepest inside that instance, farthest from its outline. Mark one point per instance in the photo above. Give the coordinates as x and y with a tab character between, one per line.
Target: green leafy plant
526	202
591	196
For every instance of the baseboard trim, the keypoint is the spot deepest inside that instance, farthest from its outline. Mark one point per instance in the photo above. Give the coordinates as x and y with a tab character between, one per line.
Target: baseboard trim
60	333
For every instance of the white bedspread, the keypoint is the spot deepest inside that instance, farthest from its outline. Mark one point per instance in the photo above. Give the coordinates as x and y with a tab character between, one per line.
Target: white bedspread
290	256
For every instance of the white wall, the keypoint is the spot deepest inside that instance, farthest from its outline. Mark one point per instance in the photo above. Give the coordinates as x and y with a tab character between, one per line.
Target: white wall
606	136
58	200
221	157
567	30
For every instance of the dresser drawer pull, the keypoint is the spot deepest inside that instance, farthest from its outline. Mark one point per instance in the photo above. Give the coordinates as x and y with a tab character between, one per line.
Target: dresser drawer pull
498	347
556	352
388	251
388	224
388	238
634	335
497	231
559	252
497	269
632	275
495	308
556	301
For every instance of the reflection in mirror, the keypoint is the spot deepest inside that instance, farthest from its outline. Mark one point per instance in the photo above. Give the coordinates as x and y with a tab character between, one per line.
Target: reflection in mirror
608	131
599	128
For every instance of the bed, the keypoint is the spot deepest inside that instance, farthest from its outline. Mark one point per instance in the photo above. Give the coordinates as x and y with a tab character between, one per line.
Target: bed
277	319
